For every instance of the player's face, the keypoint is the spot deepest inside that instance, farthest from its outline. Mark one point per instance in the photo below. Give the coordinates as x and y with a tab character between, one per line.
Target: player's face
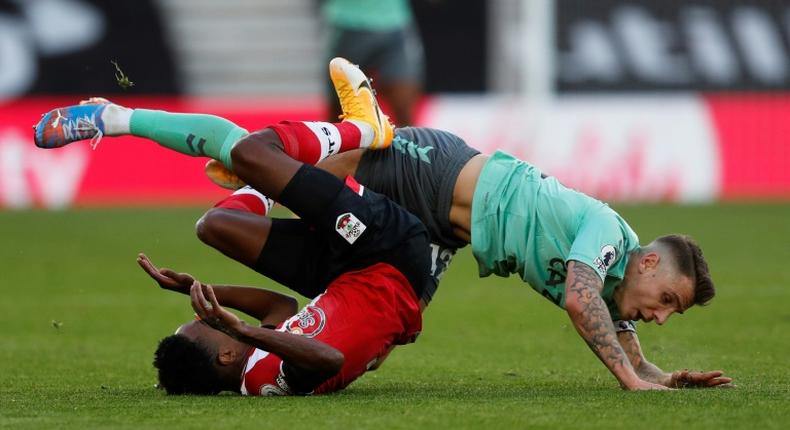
654	294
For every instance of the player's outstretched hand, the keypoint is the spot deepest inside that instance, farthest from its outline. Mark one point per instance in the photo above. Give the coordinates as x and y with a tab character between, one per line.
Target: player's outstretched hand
205	304
166	278
687	379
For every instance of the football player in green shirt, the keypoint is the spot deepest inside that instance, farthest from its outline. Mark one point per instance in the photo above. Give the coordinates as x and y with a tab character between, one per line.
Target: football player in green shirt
571	248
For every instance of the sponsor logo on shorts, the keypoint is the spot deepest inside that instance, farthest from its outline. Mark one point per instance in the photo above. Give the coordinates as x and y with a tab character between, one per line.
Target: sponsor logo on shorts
440	259
281	382
607	258
413	150
349	227
269	390
308	322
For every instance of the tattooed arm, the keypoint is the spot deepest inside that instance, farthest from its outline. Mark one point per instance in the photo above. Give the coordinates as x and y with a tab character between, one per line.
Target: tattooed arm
592	320
679	379
645	369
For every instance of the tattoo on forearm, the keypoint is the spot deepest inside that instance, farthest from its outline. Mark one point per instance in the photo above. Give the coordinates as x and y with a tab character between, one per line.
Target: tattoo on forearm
631	348
644	369
595	320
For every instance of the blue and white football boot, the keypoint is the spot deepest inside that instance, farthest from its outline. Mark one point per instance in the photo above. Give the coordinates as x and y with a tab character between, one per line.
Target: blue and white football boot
62	126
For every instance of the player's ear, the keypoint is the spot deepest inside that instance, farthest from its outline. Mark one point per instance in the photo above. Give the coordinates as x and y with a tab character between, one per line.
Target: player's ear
226	356
649	261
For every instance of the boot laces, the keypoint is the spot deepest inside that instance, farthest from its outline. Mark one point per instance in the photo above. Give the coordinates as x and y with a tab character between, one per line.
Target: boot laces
86	127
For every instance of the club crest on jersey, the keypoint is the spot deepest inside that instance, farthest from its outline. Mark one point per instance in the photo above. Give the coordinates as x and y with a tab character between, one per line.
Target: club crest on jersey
349	227
308	322
607	258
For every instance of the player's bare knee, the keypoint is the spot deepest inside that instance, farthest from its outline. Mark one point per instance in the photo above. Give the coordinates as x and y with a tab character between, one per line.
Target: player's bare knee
251	150
209	225
242	154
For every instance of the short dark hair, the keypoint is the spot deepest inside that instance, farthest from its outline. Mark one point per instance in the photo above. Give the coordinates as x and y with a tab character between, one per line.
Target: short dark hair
690	262
186	367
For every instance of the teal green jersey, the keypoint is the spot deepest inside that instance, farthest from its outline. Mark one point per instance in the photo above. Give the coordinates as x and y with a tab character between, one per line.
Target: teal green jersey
375	15
524	222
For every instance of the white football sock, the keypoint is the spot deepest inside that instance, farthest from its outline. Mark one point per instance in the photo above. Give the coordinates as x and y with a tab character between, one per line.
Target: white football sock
117	120
248	190
366	132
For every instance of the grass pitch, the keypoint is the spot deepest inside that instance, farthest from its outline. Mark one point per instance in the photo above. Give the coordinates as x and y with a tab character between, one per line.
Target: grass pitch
79	322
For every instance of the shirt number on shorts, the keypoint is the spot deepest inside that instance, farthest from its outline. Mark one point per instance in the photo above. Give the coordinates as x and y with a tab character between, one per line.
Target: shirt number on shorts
440	259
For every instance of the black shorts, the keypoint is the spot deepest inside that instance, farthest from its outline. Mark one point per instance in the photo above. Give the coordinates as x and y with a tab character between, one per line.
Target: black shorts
419	171
341	230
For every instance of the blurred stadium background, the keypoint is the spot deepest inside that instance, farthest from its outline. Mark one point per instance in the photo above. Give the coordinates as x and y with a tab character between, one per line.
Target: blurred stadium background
675	111
638	100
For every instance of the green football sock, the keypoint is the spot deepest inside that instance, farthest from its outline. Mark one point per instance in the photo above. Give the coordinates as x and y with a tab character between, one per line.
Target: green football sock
196	135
